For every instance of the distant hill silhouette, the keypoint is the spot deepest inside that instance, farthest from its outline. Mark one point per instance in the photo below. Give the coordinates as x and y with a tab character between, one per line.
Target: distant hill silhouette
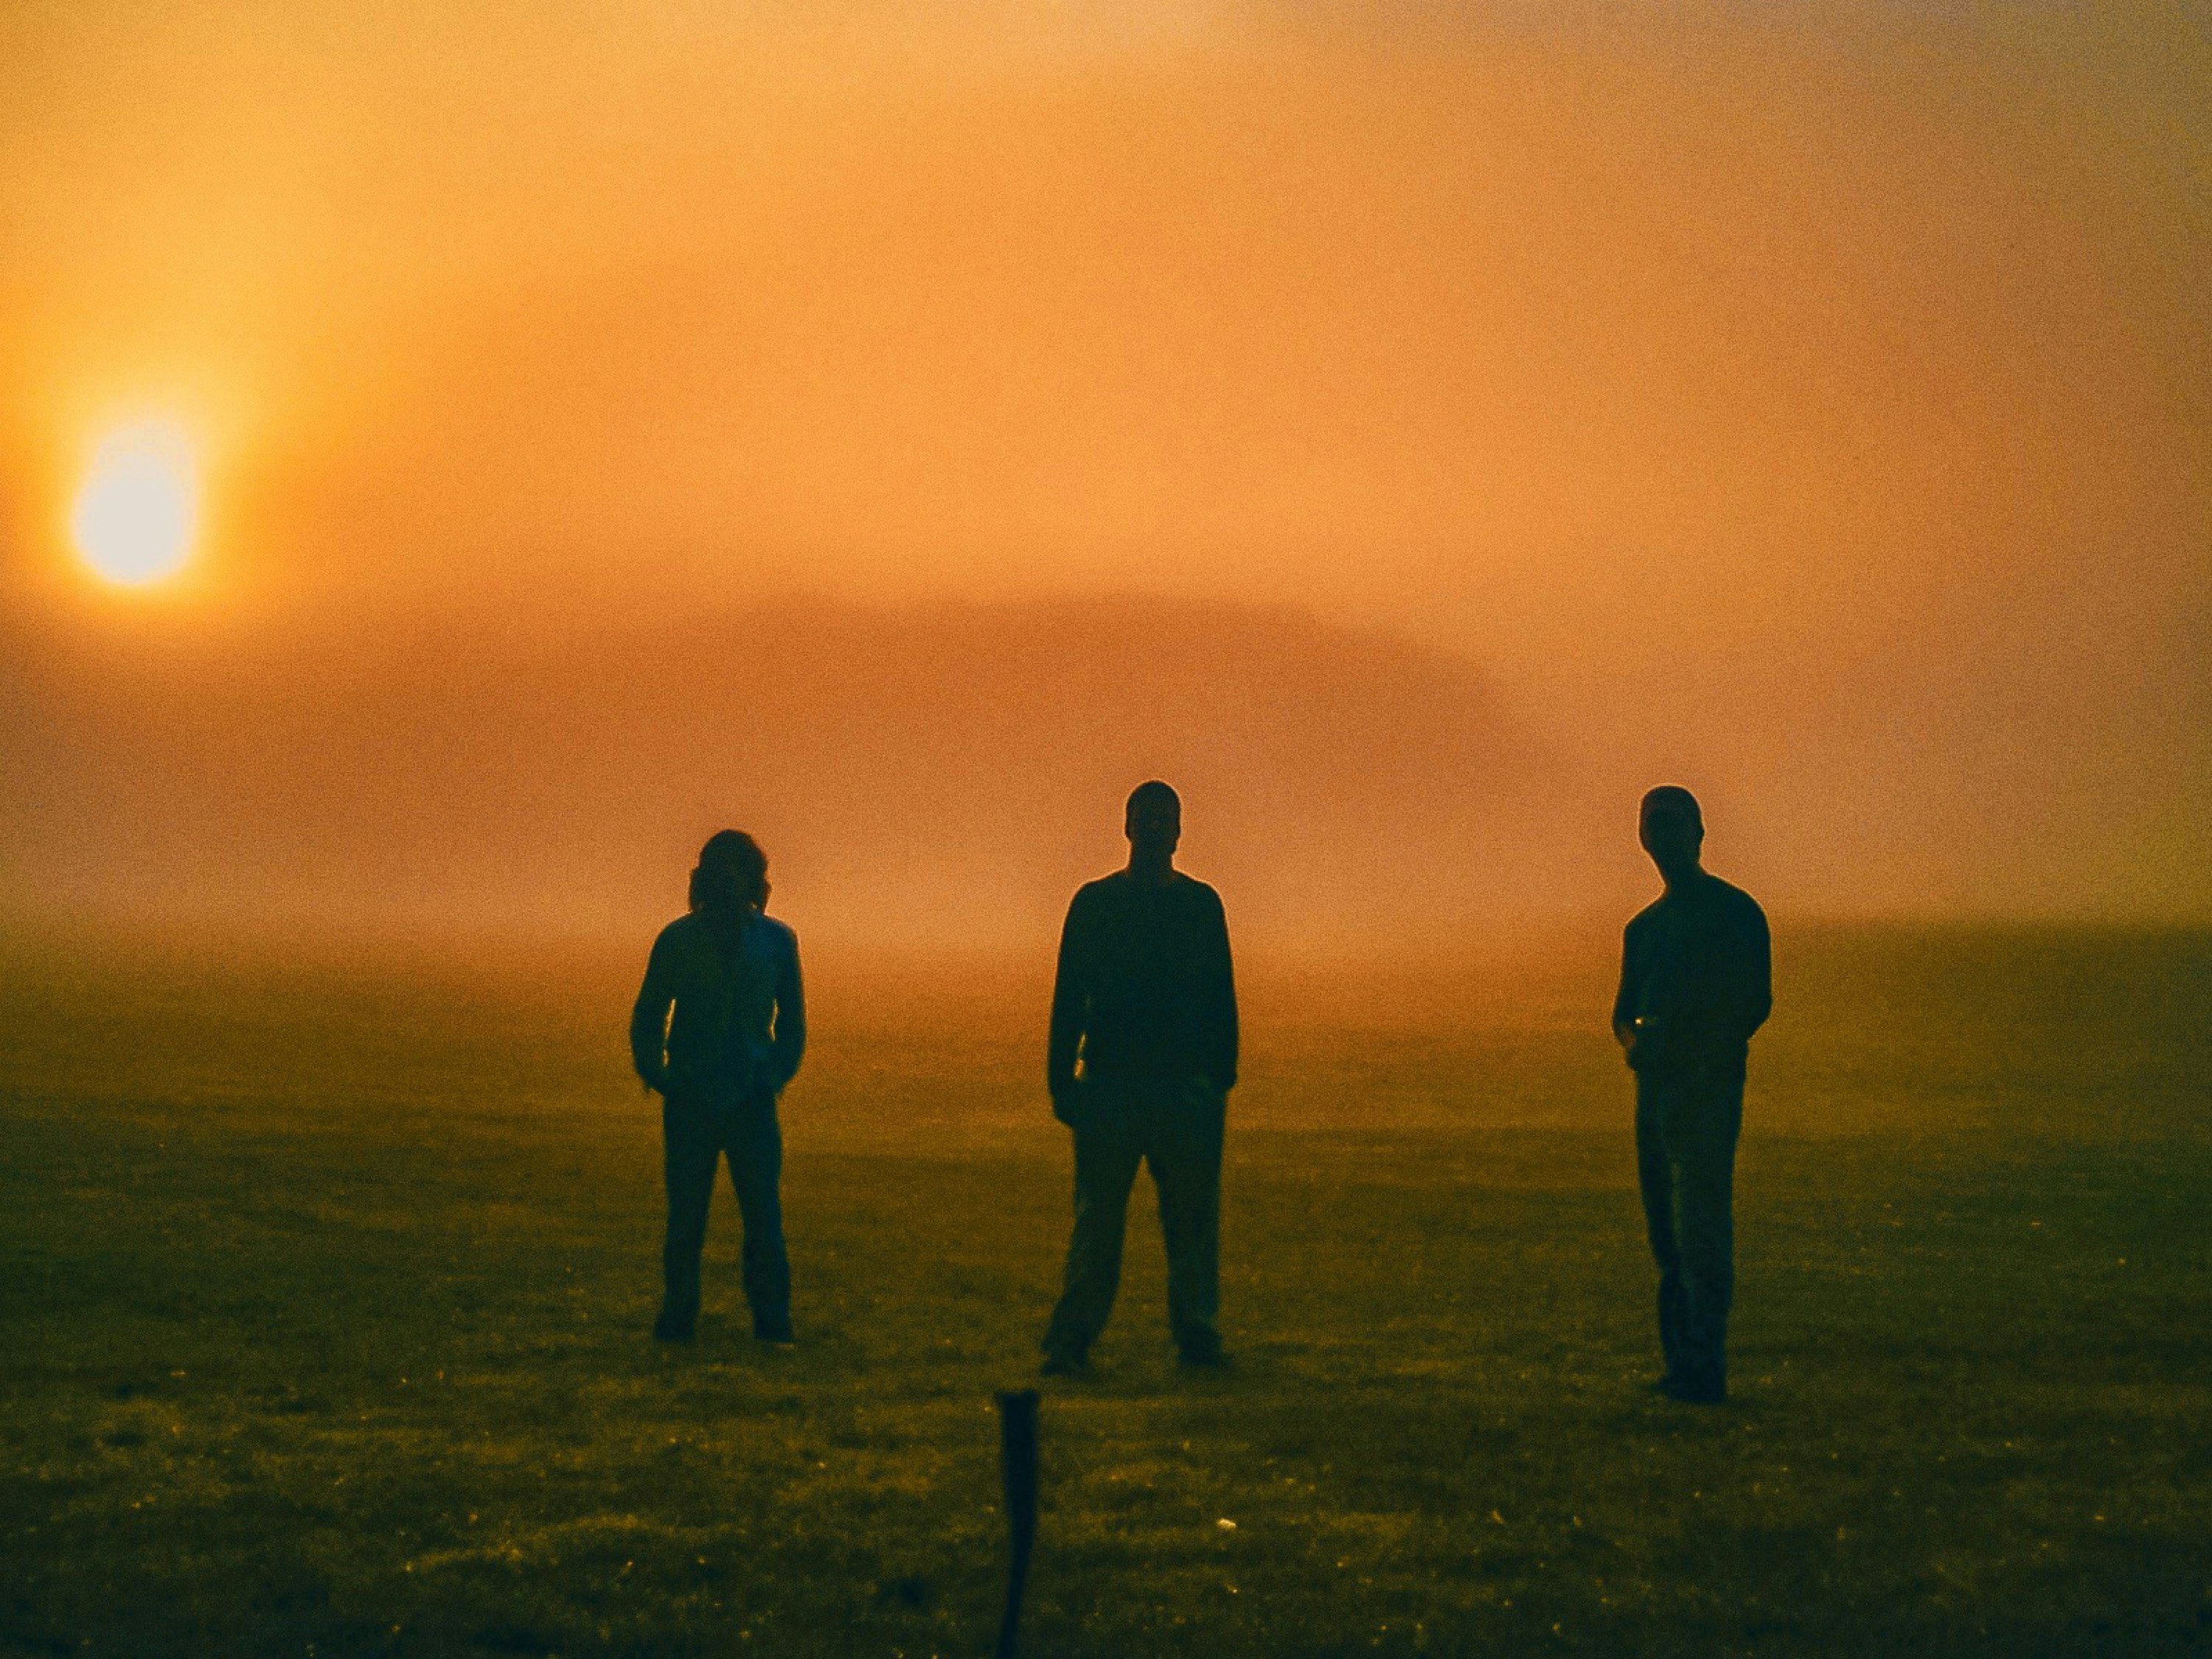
938	772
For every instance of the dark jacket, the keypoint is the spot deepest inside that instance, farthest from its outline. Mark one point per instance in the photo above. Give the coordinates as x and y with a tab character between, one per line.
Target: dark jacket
720	1017
1696	967
1145	990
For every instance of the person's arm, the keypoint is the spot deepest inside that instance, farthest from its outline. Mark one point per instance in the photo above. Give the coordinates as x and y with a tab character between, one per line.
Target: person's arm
1758	973
1625	999
1070	1004
648	1020
788	1045
1221	1024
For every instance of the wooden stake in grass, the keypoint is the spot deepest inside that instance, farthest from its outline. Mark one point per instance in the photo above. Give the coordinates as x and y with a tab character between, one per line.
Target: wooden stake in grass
1018	1462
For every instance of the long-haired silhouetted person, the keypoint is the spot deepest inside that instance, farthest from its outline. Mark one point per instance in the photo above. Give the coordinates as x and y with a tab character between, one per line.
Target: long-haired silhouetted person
1695	983
719	1028
1142	1057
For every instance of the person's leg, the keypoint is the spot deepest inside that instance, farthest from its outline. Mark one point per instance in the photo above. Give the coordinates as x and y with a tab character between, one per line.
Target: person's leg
1654	1177
1701	1136
1106	1156
755	1149
1182	1145
689	1150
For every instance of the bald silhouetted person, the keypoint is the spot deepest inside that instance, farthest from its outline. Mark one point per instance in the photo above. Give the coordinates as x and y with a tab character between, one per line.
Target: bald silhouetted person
719	1028
1695	983
1142	1057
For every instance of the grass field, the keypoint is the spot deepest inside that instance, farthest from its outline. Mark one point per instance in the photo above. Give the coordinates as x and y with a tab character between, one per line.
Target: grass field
326	1298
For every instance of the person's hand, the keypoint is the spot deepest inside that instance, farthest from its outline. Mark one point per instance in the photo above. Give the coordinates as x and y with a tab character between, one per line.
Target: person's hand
656	1081
1067	1102
1634	1034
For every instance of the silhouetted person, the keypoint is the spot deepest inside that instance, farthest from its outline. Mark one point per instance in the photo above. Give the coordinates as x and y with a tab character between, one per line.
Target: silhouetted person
1695	983
1142	1058
719	1028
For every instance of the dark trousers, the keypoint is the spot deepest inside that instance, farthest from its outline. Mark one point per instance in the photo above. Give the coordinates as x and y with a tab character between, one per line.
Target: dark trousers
696	1134
1687	1125
1173	1126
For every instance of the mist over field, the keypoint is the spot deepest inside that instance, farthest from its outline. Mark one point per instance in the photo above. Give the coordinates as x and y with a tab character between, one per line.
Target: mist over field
948	772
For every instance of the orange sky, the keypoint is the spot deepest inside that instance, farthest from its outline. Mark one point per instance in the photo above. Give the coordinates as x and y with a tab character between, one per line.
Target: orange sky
1815	411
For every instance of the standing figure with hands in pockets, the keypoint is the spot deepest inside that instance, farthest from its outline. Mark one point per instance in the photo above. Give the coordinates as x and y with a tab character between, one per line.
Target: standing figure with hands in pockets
719	1028
1696	980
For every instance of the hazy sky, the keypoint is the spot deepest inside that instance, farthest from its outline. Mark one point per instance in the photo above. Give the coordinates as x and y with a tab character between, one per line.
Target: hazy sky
1810	404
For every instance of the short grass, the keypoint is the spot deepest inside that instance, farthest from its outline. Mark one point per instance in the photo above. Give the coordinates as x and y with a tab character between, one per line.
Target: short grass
326	1297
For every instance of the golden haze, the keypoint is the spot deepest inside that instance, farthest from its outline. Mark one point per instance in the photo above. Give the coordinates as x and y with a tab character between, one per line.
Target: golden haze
1811	411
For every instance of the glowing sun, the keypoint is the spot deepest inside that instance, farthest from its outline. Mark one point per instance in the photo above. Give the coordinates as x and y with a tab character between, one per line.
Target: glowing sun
139	506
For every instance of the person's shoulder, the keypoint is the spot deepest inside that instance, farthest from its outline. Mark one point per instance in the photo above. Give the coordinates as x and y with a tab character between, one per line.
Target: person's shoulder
677	933
1645	920
1192	891
780	932
1727	892
1735	900
1091	900
1101	891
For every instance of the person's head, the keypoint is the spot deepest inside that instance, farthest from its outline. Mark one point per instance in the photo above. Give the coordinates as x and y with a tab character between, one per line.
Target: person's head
732	873
1672	830
1153	820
